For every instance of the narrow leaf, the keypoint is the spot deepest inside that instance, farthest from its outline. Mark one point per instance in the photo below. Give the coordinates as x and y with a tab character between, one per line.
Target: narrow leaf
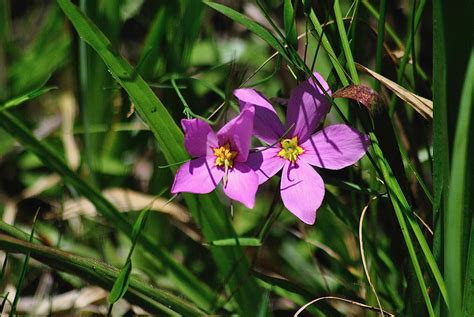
290	23
245	242
23	98
253	26
121	283
458	195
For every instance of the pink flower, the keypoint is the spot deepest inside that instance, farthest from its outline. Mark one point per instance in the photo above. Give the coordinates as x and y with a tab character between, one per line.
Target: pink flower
220	156
334	147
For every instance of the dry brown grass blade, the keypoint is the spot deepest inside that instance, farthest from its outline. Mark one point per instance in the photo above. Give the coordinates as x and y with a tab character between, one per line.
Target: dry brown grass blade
372	308
42	184
422	105
125	200
64	302
67	106
362	254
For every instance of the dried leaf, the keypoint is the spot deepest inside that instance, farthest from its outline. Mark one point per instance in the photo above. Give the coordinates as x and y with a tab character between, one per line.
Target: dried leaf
125	200
363	94
67	106
422	105
40	185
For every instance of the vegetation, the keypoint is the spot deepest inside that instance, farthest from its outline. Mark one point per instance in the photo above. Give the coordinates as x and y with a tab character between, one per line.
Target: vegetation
91	98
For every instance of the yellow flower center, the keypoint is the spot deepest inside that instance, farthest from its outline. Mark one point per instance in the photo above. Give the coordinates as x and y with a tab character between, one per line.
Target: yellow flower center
225	156
290	149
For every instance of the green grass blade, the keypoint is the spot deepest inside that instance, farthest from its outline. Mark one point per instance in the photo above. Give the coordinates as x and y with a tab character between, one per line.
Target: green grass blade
345	42
242	241
121	284
49	51
151	49
290	23
101	274
391	184
24	268
457	212
252	26
327	46
407	51
380	40
28	96
389	29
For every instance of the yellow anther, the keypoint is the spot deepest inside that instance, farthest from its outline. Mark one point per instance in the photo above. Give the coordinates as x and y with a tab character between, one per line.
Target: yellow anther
225	156
290	149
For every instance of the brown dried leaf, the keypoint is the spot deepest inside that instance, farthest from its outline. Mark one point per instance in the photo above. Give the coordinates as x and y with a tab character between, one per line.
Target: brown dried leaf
422	105
363	94
67	106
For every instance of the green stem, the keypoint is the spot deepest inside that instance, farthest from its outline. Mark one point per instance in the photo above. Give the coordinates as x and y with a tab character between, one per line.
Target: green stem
101	274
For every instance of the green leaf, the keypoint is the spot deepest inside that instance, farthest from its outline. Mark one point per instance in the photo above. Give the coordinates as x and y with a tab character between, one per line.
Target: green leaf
121	283
140	223
345	42
327	45
28	96
458	212
24	269
242	241
251	25
290	23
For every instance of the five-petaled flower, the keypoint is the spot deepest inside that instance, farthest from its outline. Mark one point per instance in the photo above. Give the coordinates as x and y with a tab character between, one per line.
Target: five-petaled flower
334	147
220	156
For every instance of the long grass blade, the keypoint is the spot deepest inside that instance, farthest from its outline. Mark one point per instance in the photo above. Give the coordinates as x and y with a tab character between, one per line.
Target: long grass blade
460	189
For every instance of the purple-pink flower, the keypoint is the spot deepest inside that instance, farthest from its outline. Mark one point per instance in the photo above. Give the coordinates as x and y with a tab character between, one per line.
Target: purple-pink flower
220	156
334	147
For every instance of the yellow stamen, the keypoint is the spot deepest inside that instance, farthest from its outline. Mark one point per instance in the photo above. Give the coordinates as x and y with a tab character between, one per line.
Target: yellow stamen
225	157
290	149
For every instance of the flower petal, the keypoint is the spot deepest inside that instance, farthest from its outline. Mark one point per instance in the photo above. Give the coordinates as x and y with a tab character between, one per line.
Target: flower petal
238	132
335	147
198	176
199	139
265	163
242	184
302	191
307	106
267	126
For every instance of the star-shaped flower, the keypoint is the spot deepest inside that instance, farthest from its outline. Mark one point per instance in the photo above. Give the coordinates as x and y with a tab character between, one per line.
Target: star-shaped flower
334	147
220	156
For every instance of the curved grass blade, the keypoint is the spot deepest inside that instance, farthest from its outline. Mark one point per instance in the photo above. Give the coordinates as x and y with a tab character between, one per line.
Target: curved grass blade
327	46
121	284
28	96
252	26
290	23
103	275
24	268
